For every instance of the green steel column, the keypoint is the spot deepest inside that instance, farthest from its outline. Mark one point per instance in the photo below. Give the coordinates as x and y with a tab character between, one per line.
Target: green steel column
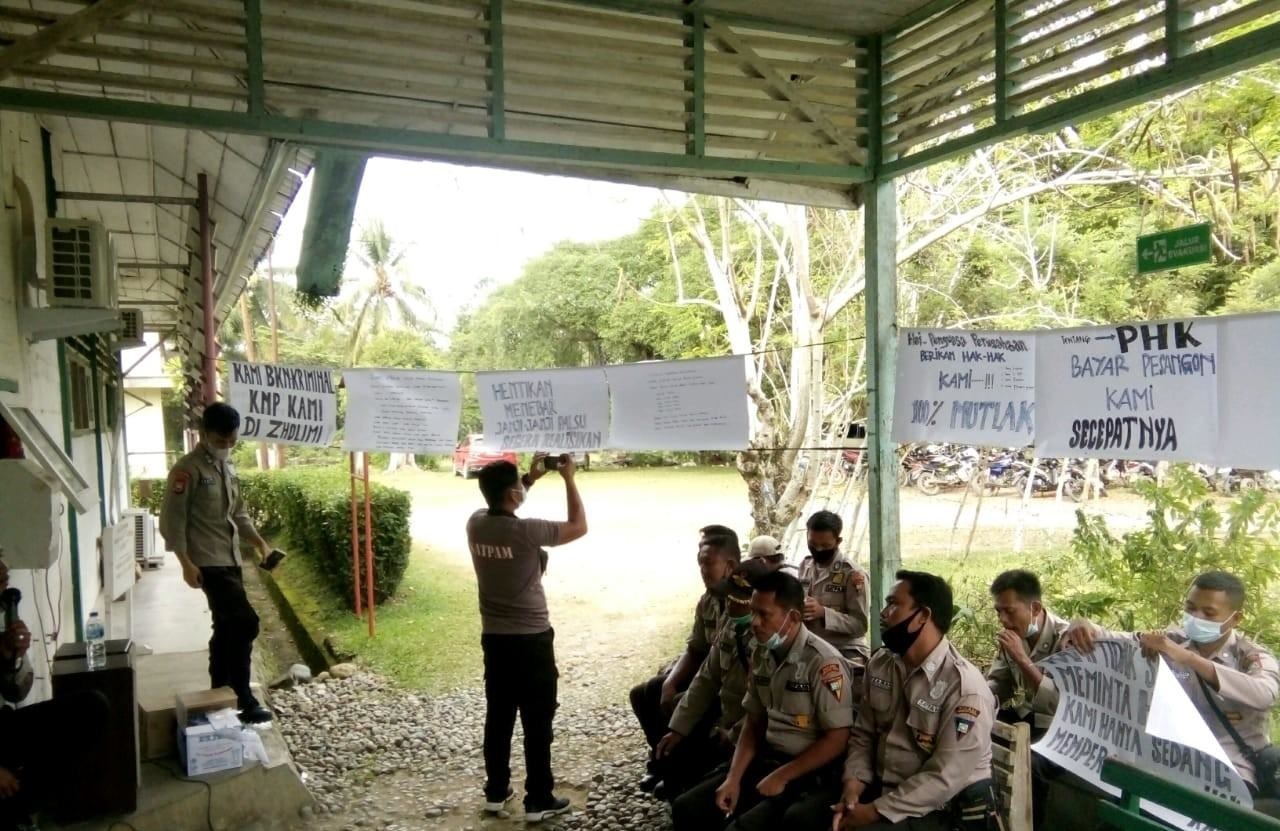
253	55
881	214
1002	60
95	381
497	74
73	528
1174	23
696	87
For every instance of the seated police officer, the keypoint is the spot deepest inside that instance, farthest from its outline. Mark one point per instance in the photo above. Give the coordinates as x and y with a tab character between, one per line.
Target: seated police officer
1029	633
1233	681
655	700
920	750
796	728
701	735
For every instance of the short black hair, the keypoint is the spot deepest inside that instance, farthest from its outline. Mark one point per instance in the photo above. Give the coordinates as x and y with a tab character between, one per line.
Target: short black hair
709	531
786	589
826	521
220	418
726	544
931	592
1023	583
1221	581
496	478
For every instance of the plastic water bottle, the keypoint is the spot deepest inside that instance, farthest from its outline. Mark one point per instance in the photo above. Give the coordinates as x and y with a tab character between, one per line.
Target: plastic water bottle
96	637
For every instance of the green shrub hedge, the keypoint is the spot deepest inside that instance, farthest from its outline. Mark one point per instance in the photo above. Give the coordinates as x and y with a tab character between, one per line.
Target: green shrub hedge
312	508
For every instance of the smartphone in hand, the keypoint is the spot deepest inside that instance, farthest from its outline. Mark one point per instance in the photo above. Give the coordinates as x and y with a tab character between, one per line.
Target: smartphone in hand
272	560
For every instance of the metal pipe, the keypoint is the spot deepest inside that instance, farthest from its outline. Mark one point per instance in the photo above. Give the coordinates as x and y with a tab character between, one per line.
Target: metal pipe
144	199
368	546
210	379
355	539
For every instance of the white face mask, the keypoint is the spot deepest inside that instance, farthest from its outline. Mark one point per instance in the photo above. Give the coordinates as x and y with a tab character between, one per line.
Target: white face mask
220	453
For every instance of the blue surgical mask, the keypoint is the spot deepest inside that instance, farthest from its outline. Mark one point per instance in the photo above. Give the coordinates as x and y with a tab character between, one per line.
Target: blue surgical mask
1199	630
1033	629
776	640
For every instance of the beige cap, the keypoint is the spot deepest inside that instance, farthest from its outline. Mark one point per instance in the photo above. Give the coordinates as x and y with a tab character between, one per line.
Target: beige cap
764	546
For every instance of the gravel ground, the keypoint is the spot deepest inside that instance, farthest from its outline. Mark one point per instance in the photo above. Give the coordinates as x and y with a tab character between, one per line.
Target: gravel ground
377	757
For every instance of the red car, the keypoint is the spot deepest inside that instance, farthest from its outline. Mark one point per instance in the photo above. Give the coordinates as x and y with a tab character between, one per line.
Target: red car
471	455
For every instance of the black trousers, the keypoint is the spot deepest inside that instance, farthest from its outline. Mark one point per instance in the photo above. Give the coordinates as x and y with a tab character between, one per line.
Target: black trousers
646	703
235	626
41	743
519	676
795	808
694	758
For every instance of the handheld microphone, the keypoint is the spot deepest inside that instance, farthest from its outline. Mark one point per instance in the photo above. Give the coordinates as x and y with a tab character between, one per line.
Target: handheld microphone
9	600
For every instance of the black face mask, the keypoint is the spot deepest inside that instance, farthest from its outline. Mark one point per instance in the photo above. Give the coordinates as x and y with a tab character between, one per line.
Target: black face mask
823	555
898	639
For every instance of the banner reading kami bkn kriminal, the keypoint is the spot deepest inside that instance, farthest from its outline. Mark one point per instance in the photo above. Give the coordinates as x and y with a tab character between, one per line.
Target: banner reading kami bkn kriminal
284	404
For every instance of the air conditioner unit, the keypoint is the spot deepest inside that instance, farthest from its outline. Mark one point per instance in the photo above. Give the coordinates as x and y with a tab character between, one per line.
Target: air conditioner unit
143	525
79	265
130	329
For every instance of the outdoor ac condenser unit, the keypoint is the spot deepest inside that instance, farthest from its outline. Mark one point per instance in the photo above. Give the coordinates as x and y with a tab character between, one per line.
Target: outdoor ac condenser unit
79	265
144	537
130	329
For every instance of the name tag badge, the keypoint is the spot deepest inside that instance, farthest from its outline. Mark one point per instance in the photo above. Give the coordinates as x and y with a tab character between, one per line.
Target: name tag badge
881	683
763	679
799	686
927	706
206	481
835	588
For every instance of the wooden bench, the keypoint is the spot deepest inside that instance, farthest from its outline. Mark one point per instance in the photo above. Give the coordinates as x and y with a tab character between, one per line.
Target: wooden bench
1011	771
1136	784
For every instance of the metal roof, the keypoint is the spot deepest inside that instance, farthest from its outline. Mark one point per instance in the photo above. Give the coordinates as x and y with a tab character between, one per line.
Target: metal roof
795	101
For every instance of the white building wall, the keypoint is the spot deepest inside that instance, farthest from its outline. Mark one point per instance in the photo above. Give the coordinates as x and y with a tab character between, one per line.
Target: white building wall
48	597
145	429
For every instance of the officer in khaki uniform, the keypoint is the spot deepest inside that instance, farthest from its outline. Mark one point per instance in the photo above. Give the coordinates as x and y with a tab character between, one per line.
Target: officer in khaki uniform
202	520
655	700
1029	634
920	751
1230	679
837	605
701	736
798	713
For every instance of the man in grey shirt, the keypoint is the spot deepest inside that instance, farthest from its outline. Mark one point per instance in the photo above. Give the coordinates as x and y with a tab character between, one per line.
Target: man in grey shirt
517	638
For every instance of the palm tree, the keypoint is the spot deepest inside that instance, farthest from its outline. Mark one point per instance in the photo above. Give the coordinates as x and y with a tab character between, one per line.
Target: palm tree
386	294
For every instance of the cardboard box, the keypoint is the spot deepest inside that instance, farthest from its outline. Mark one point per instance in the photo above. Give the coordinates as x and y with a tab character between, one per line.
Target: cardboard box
204	750
156	733
189	705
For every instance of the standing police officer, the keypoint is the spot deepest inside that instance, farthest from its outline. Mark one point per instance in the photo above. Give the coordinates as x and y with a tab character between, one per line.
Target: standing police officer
837	601
202	521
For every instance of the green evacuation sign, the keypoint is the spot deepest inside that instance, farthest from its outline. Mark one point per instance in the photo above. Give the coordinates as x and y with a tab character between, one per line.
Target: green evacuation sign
1174	249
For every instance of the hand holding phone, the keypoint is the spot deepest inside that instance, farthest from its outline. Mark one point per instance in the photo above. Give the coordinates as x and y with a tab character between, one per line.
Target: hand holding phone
272	560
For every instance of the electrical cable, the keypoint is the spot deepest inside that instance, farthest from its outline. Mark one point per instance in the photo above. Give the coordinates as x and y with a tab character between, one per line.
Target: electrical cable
223	361
208	810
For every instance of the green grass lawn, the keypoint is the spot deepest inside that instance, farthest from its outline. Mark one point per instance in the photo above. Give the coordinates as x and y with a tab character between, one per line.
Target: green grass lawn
427	637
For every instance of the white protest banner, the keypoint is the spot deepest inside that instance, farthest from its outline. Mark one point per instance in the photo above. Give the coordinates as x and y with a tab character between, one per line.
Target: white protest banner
680	405
1249	385
969	387
1133	391
1105	699
402	410
284	404
557	410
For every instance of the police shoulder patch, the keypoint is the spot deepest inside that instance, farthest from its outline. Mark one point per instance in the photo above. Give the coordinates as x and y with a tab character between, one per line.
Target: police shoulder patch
178	482
833	678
